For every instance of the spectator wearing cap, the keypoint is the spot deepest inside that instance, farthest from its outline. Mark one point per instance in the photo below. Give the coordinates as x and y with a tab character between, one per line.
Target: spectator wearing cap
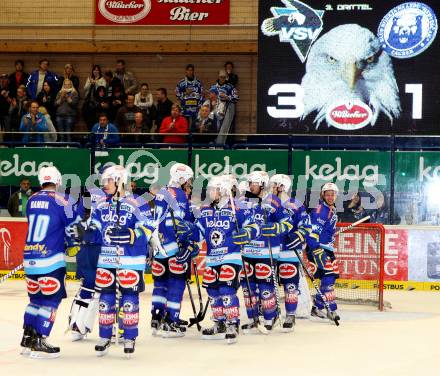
37	78
231	78
163	106
69	75
176	123
19	77
33	121
128	80
189	91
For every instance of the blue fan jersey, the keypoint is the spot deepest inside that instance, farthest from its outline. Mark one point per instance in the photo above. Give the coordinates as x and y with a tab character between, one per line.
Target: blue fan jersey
190	95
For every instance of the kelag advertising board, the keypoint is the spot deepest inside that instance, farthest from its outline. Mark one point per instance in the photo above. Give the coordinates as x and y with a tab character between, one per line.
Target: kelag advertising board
344	67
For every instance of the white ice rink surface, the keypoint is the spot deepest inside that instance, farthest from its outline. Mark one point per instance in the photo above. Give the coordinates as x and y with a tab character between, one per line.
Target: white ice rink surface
402	341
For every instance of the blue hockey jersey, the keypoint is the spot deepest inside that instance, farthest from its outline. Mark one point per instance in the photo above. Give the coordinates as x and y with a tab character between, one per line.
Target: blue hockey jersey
323	227
229	91
48	214
190	95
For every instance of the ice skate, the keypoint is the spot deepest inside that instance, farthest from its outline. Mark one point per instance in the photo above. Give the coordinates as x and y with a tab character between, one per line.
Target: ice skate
156	319
253	327
333	316
41	349
102	347
231	333
26	340
272	323
319	313
172	329
217	331
289	324
76	335
129	345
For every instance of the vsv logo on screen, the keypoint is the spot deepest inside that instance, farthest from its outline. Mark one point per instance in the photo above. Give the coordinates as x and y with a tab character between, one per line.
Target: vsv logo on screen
297	24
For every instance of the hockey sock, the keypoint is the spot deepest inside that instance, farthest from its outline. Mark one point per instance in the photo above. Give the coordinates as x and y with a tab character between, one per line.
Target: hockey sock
159	297
46	317
30	314
251	307
107	311
216	304
268	300
231	304
328	290
130	317
291	298
176	287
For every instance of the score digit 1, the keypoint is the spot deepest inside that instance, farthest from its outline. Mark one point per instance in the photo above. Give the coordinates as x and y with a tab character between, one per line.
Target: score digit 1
416	90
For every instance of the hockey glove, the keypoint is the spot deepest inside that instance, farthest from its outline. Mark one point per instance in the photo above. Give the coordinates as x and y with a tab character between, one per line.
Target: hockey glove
77	231
183	256
241	237
184	229
72	251
272	229
121	236
156	245
296	238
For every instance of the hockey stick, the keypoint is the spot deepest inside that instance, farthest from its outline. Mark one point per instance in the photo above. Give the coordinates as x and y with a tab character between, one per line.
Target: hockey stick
200	317
354	224
253	301
179	245
11	273
274	273
118	261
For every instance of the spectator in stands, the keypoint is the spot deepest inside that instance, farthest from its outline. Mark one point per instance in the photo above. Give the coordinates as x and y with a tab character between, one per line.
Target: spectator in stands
51	134
106	134
33	121
95	80
353	210
101	103
138	126
67	107
69	75
204	124
128	80
231	78
18	200
189	91
125	115
37	78
5	103
46	98
176	123
117	100
144	99
163	106
111	82
18	78
134	189
18	108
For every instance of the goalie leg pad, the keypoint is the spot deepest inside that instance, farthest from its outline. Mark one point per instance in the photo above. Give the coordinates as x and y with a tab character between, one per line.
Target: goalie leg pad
83	311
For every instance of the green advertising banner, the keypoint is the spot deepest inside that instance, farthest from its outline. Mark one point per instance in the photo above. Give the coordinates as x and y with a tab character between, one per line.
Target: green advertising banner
19	163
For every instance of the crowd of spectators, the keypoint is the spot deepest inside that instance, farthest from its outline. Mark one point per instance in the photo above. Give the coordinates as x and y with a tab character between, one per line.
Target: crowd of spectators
113	102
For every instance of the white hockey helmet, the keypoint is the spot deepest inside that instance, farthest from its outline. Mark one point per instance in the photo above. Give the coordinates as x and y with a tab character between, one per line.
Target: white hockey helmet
243	187
259	177
224	185
282	180
329	187
232	179
118	173
49	174
179	174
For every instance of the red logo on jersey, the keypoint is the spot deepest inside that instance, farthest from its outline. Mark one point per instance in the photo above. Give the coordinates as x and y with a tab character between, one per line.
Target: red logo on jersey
335	266
157	269
311	266
210	275
287	270
249	270
175	267
227	273
104	278
49	285
262	271
32	286
128	278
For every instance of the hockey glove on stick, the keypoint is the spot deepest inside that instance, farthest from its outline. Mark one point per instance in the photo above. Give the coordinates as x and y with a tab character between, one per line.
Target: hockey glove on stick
77	231
272	229
184	229
187	254
296	238
123	236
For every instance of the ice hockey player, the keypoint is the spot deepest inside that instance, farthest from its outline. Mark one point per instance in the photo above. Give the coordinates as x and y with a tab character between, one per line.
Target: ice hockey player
171	210
261	254
217	224
320	250
48	213
288	263
85	303
121	223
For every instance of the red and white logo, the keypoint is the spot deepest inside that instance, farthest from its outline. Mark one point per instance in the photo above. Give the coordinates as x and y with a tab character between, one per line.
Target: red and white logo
157	269
128	278
104	278
49	285
175	267
249	270
287	270
227	273
32	286
124	11
210	275
262	271
349	115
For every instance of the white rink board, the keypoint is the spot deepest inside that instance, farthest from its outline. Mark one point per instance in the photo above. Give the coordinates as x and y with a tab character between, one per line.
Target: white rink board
402	341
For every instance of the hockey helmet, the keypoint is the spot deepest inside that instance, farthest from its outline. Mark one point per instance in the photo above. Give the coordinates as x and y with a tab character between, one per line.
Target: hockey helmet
179	174
281	180
259	177
118	173
329	187
224	185
49	174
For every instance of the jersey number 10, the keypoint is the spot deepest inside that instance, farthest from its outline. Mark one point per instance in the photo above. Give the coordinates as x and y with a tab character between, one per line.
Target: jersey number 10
37	228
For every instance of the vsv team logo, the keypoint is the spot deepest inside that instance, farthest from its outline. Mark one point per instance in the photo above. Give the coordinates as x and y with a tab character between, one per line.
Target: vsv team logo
297	24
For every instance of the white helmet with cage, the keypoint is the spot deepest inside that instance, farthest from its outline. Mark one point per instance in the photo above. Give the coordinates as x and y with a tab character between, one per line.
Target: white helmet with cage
281	180
224	185
49	174
329	187
118	173
179	174
259	177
